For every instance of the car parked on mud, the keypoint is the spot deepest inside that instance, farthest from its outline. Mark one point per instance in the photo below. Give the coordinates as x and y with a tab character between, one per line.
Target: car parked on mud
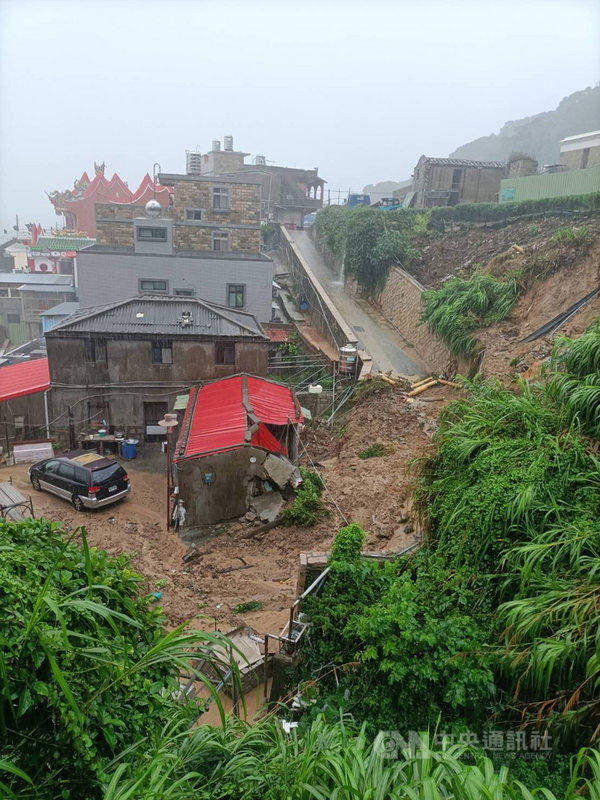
86	479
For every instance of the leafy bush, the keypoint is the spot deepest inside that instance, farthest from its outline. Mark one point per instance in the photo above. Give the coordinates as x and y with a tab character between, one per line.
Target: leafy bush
461	306
373	451
307	508
87	668
577	237
251	605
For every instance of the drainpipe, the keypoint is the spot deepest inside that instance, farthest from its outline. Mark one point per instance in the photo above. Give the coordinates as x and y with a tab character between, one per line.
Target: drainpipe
46	413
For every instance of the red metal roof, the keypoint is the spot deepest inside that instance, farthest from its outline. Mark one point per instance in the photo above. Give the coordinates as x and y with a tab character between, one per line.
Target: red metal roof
17	380
276	335
216	418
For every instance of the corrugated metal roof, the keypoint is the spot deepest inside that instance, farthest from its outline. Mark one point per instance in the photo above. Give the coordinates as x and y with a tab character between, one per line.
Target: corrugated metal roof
463	162
35	277
160	315
63	288
18	380
61	310
217	416
61	244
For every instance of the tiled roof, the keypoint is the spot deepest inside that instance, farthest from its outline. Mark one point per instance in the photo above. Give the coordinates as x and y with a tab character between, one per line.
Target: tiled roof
61	310
61	243
154	315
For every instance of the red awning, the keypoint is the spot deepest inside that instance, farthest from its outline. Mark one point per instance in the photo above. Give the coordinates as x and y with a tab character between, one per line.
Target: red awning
216	418
18	380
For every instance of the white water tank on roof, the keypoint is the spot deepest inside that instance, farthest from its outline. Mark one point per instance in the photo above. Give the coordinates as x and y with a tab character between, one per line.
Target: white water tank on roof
228	143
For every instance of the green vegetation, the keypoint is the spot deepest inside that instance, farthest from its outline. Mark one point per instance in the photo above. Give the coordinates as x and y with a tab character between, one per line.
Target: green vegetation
307	508
374	451
495	623
251	605
576	237
369	241
462	306
87	669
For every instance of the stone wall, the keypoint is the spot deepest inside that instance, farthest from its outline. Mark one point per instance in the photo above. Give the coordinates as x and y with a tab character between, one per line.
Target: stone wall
241	220
576	159
400	303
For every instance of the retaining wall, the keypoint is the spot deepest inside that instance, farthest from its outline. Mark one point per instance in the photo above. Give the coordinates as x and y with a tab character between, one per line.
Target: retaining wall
322	312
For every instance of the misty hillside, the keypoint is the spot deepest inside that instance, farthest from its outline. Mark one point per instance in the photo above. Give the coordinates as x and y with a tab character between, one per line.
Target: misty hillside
540	134
385	188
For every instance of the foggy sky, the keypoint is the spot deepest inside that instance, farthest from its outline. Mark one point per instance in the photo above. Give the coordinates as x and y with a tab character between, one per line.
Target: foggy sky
359	89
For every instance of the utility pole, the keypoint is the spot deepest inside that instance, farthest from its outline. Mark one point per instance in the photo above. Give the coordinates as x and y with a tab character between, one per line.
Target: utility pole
169	421
72	443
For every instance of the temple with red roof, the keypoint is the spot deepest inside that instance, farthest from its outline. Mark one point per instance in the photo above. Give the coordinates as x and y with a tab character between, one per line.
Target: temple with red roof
77	205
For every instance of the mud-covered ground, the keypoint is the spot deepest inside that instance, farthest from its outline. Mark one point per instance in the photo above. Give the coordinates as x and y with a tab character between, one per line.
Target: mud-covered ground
233	566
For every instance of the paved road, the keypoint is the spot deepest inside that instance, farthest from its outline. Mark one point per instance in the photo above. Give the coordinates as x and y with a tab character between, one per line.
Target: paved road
383	343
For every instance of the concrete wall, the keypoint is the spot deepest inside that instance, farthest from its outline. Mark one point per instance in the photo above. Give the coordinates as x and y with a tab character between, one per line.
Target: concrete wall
323	313
129	378
227	497
31	407
401	303
108	277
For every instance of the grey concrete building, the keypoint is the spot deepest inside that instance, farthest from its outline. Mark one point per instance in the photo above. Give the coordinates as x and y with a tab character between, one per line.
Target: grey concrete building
205	245
123	364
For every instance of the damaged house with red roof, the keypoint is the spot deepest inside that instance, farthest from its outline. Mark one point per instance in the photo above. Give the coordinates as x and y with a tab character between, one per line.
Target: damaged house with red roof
236	449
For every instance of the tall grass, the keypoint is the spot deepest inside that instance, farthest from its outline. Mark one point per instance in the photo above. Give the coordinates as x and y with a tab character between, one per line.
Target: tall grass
462	306
324	762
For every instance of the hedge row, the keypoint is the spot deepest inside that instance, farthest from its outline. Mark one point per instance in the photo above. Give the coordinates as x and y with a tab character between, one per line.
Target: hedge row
497	212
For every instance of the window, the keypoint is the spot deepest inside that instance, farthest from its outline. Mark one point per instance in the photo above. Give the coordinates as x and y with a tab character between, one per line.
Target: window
185	292
67	471
221	198
220	242
149	285
95	350
236	295
193	214
13	318
147	234
51	467
4	292
225	353
162	352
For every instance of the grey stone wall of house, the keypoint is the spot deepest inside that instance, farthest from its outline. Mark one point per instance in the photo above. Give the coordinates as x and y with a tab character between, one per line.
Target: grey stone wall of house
227	496
105	277
128	378
31	408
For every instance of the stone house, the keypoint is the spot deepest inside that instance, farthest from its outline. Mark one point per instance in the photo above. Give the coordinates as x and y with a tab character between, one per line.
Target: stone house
122	365
288	193
450	181
206	244
580	151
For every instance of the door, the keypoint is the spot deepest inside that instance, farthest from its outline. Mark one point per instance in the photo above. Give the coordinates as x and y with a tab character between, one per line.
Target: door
153	411
49	476
66	483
